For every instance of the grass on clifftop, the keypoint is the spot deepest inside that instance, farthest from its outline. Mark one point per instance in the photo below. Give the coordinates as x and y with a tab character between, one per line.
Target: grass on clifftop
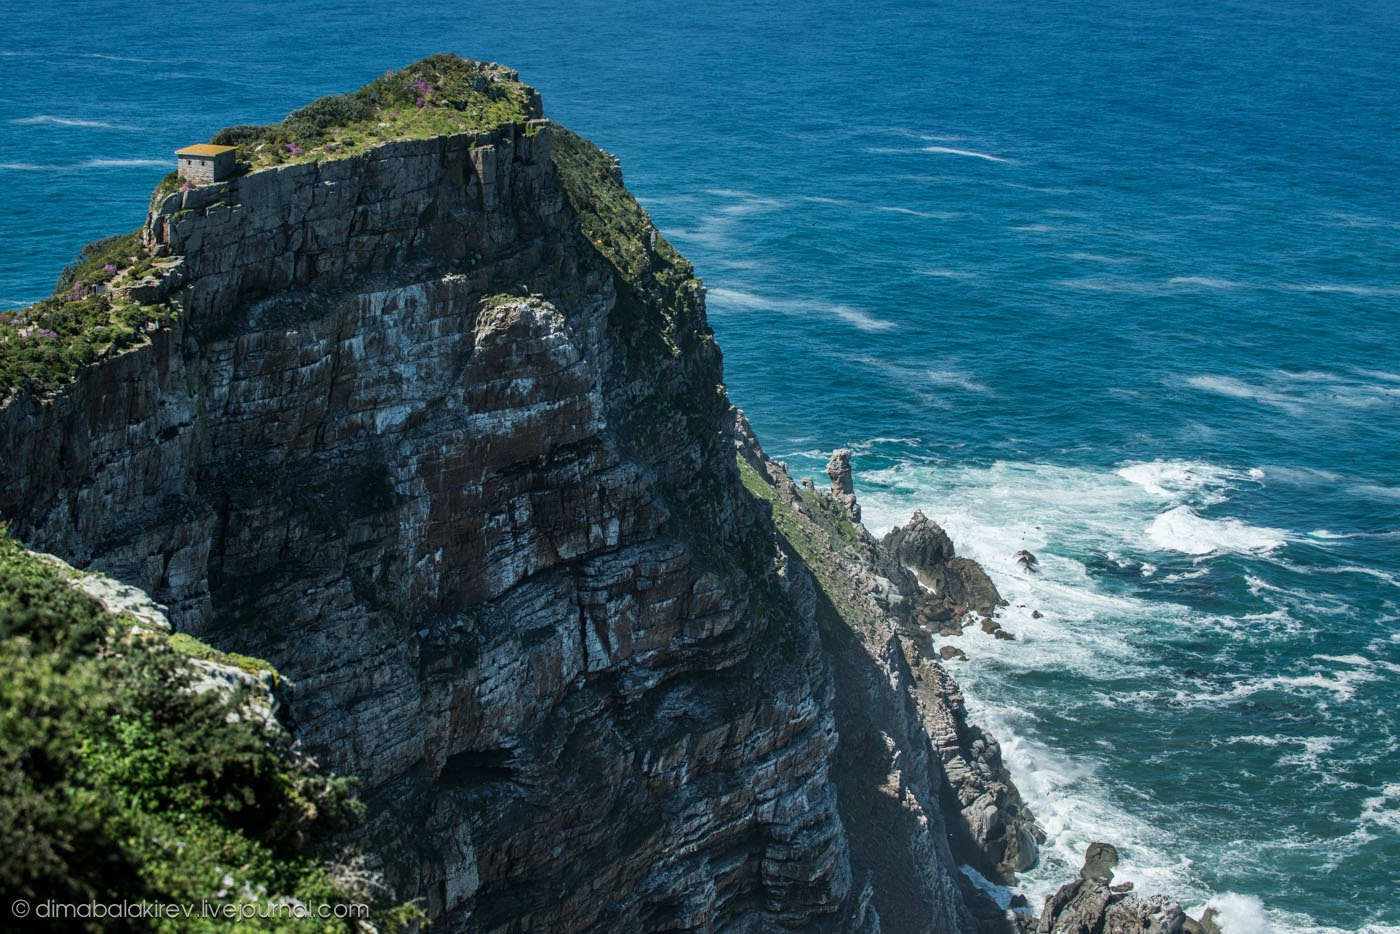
440	95
43	346
118	783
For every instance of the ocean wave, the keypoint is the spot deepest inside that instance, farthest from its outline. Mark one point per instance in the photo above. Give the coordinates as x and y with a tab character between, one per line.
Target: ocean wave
715	230
1238	914
749	301
949	273
83	166
1207	282
959	380
1106	260
947	150
49	120
1183	530
1174	478
1314	393
1075	808
1344	288
884	208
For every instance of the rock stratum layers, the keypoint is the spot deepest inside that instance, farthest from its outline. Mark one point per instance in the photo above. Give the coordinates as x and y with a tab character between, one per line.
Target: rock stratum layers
440	431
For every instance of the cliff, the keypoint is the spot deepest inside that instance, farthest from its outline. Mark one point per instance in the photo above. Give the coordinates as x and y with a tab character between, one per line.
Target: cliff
437	427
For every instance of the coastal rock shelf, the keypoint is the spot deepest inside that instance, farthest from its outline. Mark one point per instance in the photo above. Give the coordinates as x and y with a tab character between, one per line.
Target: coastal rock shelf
439	430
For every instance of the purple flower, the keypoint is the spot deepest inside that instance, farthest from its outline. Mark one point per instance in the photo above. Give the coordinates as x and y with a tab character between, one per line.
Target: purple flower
109	268
421	102
186	187
294	149
45	332
422	85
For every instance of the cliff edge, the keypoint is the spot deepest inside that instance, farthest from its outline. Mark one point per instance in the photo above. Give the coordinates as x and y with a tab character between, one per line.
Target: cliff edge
436	425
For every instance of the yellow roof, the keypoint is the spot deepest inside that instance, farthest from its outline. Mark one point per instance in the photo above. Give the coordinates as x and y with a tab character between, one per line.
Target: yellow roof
204	149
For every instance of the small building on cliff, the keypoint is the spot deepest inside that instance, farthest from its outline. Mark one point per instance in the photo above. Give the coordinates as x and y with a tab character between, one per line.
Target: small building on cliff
205	163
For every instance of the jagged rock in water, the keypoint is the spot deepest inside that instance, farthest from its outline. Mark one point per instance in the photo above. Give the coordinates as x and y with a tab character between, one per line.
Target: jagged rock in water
1099	861
1091	904
923	546
838	468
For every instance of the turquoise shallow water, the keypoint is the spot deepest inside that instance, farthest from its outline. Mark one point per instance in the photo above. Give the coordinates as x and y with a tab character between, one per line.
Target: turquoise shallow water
1118	283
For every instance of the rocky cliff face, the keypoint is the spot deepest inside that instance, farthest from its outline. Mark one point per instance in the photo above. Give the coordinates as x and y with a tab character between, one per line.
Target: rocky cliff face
440	431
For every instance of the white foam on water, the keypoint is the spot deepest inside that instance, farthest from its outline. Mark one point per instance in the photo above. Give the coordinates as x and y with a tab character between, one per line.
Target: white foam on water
716	230
1174	479
1207	282
1125	286
81	166
1107	260
1345	288
948	273
947	150
1074	809
1383	810
721	298
1239	389
123	163
1309	758
886	208
1378	374
1086	630
50	120
959	380
1342	684
1183	530
998	893
1296	393
1247	914
1239	914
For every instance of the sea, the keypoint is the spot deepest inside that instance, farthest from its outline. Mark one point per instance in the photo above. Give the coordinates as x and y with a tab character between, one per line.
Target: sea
1116	282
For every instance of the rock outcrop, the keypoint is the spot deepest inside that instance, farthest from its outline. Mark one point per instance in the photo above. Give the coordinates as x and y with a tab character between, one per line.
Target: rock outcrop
1092	904
923	546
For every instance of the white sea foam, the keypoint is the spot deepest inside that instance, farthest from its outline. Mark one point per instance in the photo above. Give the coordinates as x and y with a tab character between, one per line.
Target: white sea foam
1089	629
1383	810
716	230
1183	530
949	273
886	208
1107	260
946	150
721	298
47	119
1207	282
1345	288
1074	808
1202	482
998	893
82	166
1125	286
1239	389
959	380
1240	914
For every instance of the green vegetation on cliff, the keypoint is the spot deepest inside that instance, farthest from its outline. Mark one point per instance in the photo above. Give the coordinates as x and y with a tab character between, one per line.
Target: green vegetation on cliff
86	319
119	782
440	95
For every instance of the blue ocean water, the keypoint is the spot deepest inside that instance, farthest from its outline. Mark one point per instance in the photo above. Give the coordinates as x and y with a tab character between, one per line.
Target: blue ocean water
1117	282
